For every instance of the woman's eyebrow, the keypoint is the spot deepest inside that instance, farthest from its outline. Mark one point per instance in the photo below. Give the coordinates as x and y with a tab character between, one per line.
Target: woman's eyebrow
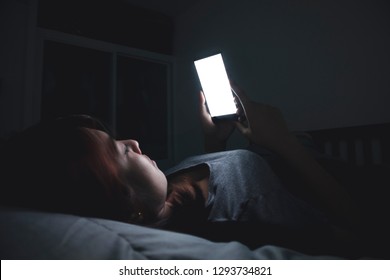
112	144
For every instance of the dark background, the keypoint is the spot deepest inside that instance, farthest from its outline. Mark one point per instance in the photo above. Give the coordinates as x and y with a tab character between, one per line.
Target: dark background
324	63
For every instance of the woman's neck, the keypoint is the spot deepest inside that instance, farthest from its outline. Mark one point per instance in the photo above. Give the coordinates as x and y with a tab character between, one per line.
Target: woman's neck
188	187
194	180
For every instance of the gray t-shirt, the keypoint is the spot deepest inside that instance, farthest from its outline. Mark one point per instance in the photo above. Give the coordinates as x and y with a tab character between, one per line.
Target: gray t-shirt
243	187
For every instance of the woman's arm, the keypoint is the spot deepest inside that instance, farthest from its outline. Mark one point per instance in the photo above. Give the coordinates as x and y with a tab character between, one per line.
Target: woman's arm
215	134
323	187
265	126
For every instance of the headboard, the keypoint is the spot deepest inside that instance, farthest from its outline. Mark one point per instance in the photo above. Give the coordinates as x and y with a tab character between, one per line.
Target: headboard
362	145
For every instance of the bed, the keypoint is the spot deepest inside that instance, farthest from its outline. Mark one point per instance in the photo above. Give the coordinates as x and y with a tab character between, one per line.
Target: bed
36	235
357	156
360	145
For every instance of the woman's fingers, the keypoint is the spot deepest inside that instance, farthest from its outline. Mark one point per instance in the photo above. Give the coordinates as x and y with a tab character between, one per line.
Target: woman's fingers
202	106
202	101
239	93
242	128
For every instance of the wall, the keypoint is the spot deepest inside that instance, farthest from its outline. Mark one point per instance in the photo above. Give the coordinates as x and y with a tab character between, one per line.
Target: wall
323	63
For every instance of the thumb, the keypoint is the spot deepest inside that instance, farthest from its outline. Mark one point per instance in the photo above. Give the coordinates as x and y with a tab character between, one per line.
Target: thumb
239	93
202	103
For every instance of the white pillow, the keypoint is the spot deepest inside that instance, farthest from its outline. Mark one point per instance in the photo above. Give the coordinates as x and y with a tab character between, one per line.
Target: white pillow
37	235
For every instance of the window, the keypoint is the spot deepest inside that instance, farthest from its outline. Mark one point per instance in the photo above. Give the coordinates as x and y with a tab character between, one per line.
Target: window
128	90
141	103
76	80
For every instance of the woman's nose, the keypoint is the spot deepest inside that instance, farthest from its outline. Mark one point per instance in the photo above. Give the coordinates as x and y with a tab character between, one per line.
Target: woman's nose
135	146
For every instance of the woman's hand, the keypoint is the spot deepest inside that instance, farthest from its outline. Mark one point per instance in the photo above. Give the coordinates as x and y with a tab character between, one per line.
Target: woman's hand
216	134
264	125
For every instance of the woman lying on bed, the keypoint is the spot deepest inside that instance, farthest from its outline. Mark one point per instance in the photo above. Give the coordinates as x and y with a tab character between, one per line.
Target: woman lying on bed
73	165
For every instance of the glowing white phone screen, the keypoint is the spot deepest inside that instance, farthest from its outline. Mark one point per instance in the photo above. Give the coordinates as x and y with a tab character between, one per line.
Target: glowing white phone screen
215	84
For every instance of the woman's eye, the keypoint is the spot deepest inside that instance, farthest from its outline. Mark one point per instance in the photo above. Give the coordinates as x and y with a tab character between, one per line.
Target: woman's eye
127	149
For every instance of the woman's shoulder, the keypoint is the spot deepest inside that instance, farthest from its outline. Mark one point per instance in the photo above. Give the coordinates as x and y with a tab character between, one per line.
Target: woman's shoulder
241	153
238	155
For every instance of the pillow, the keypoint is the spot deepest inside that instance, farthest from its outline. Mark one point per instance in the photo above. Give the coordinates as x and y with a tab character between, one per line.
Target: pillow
36	235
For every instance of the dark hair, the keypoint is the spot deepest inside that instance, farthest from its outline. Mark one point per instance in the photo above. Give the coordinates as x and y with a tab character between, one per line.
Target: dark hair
60	166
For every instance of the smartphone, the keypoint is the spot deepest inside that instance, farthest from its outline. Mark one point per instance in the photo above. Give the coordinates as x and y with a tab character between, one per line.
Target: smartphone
216	87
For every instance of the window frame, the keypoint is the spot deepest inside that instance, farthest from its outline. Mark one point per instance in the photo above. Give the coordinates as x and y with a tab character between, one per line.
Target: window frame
43	34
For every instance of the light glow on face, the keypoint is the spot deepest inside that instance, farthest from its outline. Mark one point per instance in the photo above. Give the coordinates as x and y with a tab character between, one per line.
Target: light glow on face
215	84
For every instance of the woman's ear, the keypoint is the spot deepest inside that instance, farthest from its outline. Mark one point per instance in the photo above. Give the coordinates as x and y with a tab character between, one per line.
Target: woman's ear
136	218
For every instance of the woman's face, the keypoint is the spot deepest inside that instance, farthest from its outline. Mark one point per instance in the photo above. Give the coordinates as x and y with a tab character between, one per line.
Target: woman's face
147	180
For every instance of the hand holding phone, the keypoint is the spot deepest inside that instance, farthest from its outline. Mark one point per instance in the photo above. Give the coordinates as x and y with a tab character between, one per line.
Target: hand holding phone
216	87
